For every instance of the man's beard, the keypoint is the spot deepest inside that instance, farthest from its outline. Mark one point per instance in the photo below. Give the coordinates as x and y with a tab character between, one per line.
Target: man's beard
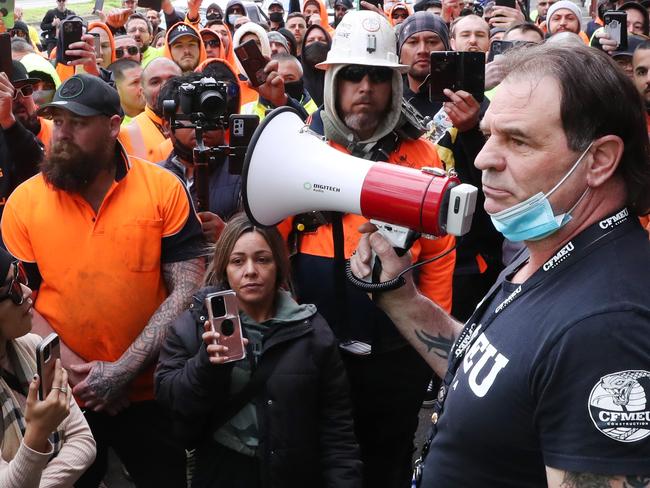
362	122
71	169
418	74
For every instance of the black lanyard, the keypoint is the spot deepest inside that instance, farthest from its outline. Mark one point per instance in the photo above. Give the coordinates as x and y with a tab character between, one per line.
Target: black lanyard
581	245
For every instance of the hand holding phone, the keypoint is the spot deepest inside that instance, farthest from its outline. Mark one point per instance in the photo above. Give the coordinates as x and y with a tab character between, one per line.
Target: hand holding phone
616	27
47	353
223	319
72	31
253	62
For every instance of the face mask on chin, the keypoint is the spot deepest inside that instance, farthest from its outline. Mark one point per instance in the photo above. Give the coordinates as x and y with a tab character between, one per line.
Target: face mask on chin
533	219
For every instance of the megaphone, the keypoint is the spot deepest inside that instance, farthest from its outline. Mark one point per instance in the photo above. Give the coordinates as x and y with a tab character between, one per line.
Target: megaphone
289	170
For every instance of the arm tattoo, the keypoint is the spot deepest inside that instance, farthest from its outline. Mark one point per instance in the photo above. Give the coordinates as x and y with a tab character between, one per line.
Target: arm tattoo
588	480
637	481
182	279
438	343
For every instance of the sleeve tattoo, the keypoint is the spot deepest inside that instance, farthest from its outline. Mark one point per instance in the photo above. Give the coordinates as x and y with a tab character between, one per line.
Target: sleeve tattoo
588	480
182	279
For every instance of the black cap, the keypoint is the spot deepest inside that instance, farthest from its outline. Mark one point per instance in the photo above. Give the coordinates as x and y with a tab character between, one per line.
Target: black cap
179	30
633	42
19	77
86	96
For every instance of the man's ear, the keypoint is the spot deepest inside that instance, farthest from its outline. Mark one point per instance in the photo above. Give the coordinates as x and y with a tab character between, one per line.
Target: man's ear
606	153
452	43
166	126
114	123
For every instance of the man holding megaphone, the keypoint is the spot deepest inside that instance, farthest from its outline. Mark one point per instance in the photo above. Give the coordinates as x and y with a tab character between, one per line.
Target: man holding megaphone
361	112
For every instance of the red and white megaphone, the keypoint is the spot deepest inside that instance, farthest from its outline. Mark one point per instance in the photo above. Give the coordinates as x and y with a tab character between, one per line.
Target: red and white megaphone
289	170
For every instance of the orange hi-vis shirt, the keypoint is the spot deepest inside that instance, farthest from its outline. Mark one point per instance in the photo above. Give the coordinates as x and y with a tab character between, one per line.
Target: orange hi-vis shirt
143	136
101	273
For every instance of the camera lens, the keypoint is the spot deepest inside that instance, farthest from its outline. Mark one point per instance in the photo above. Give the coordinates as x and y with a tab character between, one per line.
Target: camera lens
227	327
212	103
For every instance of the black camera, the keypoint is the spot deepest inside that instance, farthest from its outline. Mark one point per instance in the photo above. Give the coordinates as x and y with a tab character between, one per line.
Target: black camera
205	95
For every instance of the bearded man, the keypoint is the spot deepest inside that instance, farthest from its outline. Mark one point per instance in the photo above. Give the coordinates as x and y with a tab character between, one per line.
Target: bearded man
113	246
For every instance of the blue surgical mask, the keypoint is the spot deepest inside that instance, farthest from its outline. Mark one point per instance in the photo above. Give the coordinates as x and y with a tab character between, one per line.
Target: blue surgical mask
232	18
533	219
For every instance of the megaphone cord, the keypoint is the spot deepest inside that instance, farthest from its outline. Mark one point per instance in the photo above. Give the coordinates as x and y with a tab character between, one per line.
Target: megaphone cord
396	282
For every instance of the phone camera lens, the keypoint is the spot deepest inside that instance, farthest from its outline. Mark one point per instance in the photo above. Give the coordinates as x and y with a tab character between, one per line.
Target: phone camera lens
227	327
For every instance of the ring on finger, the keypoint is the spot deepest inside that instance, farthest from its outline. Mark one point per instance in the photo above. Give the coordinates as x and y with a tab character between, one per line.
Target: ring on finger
61	389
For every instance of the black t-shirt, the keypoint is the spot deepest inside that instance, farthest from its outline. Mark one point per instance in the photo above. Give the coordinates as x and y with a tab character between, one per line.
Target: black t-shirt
561	377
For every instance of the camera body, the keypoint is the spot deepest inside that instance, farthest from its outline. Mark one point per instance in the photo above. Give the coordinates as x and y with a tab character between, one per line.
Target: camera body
206	96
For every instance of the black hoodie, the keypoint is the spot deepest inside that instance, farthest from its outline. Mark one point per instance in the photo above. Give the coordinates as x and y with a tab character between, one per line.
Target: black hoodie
314	78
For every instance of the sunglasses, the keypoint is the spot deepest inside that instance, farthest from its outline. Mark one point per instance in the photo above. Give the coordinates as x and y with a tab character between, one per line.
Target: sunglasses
17	33
396	16
132	50
212	43
25	91
15	291
356	72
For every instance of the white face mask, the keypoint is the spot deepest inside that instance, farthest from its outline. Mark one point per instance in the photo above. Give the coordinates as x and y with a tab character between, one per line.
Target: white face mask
41	97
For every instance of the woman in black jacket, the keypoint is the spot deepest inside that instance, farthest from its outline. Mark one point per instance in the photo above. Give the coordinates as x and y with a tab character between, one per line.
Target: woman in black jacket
297	429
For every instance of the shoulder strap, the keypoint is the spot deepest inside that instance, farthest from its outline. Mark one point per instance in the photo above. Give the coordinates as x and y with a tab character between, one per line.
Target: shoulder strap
252	388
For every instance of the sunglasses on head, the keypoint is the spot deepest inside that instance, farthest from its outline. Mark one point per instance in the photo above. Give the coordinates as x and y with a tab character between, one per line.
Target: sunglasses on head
356	72
132	50
212	43
15	291
25	91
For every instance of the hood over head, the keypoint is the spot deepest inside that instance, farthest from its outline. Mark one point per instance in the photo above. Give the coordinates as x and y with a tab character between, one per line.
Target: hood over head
111	39
172	30
258	30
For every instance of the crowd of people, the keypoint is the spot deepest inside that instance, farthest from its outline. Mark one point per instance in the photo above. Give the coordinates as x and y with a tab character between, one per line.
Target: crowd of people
528	337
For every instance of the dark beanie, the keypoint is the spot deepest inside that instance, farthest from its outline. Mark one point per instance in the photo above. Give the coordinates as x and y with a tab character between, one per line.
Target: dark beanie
5	264
423	22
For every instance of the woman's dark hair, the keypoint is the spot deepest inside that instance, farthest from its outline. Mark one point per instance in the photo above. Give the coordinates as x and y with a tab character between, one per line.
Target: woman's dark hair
597	99
236	227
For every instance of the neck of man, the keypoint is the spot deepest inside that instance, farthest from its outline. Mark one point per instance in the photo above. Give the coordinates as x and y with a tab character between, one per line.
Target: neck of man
95	192
597	204
132	111
414	84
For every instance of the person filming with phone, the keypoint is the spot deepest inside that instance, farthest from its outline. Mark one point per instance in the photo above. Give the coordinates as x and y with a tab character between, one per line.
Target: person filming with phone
43	442
281	415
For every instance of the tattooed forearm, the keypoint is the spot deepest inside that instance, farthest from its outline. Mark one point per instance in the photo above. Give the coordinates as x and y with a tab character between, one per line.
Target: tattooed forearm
587	480
182	279
637	481
440	345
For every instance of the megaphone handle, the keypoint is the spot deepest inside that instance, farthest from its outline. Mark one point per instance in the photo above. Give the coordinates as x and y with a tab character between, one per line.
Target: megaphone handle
376	263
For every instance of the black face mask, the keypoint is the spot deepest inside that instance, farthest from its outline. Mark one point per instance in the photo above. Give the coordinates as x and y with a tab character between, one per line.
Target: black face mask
276	17
315	53
213	16
294	89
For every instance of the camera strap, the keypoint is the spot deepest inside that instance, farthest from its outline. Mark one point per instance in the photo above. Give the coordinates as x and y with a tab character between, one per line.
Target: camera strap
580	246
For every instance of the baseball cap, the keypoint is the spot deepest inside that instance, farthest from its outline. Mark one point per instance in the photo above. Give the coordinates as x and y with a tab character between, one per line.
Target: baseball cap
86	96
179	30
19	77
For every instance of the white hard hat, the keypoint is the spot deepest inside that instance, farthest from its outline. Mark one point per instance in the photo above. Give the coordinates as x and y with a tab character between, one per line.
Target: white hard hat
364	37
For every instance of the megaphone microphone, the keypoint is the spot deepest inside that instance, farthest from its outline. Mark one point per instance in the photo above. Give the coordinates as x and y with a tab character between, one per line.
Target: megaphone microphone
289	170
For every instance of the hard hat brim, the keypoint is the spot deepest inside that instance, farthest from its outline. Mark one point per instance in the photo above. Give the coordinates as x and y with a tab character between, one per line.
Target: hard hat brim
402	68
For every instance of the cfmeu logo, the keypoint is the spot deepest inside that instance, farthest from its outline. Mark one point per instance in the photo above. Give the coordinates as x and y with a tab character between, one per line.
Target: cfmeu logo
618	405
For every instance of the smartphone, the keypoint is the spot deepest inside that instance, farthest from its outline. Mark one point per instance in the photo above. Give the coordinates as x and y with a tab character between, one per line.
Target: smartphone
506	3
152	4
223	314
253	62
242	127
97	43
616	27
498	47
47	352
5	54
99	5
456	71
72	31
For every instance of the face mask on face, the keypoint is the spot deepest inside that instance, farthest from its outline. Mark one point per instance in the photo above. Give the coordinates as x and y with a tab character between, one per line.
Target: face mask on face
41	97
213	16
294	89
232	18
533	219
276	17
315	53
